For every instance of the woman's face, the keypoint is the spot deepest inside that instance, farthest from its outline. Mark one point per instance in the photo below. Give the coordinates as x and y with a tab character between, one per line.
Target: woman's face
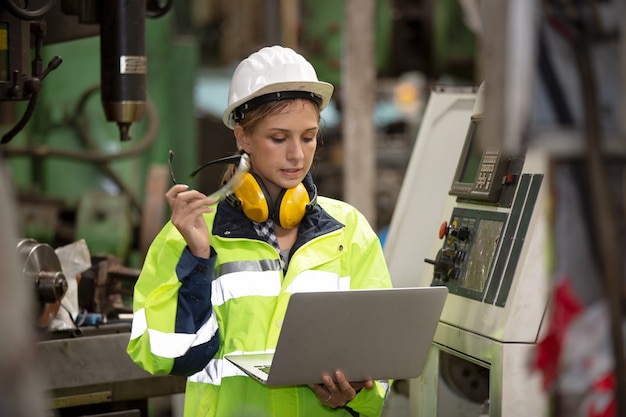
282	145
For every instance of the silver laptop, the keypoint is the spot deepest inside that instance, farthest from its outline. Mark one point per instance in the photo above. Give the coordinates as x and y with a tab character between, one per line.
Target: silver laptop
371	333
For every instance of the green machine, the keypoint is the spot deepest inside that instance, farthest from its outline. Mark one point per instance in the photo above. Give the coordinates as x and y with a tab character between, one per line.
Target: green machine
93	94
88	152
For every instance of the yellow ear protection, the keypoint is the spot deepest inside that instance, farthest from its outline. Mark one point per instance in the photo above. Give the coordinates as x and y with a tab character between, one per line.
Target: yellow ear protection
251	196
287	211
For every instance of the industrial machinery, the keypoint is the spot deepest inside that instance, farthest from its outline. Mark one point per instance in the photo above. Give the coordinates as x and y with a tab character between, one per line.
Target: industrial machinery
74	178
84	367
42	267
477	216
123	62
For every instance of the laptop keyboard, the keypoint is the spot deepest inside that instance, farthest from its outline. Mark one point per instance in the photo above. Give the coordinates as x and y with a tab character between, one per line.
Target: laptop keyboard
263	368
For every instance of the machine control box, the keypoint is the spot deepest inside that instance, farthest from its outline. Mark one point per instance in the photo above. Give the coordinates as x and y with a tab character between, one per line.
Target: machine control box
483	239
484	175
481	247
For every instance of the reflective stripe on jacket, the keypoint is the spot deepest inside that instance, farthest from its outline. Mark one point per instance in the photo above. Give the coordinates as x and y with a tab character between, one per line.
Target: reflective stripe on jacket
189	312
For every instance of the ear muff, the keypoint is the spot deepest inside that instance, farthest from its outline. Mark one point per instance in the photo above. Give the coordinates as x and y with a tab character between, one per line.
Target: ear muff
253	198
290	207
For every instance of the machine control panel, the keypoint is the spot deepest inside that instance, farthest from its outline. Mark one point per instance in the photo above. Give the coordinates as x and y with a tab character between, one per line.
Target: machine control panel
483	239
449	258
481	246
466	257
485	176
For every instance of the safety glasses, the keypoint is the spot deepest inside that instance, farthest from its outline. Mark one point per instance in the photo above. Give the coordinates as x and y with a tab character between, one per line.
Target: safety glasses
243	167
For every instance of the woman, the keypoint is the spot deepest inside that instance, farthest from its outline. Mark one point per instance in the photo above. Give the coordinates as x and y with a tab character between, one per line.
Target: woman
217	279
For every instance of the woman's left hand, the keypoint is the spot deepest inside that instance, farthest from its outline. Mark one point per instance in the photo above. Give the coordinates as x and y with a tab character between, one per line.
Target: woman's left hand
337	393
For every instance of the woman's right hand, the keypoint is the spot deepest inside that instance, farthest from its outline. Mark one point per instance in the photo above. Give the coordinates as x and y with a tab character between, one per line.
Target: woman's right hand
187	207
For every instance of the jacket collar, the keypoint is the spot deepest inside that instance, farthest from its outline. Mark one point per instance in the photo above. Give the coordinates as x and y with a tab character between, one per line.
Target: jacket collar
230	222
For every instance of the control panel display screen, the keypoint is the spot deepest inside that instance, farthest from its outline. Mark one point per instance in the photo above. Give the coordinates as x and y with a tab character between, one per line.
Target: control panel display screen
471	163
481	172
484	247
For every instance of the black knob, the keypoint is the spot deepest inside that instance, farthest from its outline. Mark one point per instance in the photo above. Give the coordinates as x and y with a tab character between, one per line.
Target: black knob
444	264
462	233
51	286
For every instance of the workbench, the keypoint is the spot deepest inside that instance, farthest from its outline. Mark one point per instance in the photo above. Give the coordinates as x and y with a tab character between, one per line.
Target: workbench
91	374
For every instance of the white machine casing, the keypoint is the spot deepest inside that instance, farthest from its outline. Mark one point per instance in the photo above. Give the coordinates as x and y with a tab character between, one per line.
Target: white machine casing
497	337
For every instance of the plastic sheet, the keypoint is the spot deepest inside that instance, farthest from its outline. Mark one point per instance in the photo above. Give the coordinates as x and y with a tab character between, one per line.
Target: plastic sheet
74	258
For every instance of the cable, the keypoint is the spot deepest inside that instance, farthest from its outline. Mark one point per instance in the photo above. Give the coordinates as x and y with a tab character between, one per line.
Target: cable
95	157
32	103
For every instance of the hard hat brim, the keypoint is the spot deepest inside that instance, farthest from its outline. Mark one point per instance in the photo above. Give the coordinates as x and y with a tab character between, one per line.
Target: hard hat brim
320	88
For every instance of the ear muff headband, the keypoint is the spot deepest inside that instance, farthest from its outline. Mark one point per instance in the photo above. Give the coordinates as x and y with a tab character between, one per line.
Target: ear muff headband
290	207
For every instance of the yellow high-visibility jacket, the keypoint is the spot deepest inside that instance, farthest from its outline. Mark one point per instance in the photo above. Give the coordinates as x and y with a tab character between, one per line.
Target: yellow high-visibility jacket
189	312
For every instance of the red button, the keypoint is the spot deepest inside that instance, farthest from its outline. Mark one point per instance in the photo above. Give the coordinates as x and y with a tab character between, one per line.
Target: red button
443	230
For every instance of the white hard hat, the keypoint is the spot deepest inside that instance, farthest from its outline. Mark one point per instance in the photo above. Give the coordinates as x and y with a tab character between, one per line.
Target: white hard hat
278	72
